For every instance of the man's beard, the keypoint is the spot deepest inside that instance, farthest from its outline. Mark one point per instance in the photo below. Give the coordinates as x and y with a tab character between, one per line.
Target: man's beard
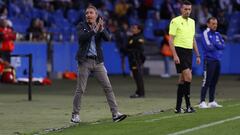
90	22
186	16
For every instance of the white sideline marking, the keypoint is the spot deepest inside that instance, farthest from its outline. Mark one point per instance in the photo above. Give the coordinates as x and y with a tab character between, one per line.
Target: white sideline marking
162	118
234	105
166	117
204	126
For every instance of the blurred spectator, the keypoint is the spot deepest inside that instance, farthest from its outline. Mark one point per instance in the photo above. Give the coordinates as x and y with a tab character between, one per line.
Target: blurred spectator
63	5
27	7
166	53
148	3
135	4
143	9
112	25
29	2
226	5
1	2
4	15
109	5
236	5
166	10
212	5
176	7
121	9
203	16
36	31
3	64
14	8
47	5
195	8
102	11
121	37
222	22
7	72
133	15
7	36
3	12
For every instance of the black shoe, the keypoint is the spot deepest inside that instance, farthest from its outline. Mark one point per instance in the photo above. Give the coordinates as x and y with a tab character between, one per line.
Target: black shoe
136	96
119	117
179	110
189	110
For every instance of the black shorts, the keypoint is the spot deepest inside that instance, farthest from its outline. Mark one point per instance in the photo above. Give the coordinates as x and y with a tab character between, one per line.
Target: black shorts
185	57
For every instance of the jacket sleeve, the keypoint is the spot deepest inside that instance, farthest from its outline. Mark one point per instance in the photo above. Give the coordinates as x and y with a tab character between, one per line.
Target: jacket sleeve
219	43
83	33
141	43
207	43
106	35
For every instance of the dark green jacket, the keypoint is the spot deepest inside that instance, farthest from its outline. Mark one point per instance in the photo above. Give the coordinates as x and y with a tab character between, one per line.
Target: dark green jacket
135	50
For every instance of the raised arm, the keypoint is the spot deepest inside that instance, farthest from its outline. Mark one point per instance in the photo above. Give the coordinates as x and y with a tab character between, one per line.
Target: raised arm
83	33
106	35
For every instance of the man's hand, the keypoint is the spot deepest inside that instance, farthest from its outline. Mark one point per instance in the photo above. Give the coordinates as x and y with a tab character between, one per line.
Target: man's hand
198	60
101	24
176	59
96	28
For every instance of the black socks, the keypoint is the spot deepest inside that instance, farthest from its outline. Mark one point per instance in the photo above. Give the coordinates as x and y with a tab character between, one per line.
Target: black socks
187	93
179	96
183	90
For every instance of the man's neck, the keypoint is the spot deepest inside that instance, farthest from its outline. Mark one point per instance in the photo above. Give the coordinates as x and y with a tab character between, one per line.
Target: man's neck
185	17
91	25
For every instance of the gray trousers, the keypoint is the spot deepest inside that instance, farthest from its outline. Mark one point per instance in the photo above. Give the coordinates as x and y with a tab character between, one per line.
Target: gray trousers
100	72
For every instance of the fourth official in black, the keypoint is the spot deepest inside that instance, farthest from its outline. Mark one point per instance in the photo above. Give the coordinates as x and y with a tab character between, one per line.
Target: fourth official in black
136	59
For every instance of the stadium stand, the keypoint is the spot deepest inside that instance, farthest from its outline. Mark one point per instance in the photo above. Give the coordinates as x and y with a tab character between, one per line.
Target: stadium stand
61	18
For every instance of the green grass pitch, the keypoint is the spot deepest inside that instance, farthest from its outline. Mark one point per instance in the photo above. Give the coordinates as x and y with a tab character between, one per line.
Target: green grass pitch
218	121
52	105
